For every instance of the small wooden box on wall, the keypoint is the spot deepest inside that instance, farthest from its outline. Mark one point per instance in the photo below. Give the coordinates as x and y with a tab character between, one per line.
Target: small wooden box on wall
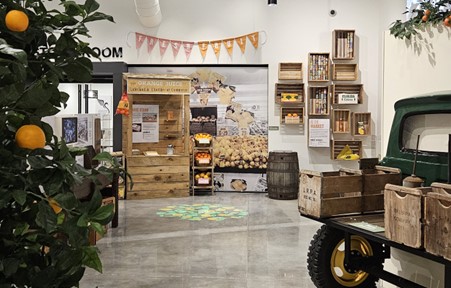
155	173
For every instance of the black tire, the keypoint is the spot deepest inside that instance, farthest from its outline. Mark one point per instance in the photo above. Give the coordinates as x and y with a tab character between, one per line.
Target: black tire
325	260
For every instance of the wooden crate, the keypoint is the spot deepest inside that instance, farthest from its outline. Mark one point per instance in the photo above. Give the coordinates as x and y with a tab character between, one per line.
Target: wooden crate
326	194
318	100
341	121
318	64
338	145
343	44
344	72
292	115
437	216
403	214
346	89
361	123
290	71
374	181
291	88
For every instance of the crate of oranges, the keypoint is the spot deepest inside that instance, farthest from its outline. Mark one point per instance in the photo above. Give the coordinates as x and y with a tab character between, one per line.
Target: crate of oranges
292	118
202	158
202	139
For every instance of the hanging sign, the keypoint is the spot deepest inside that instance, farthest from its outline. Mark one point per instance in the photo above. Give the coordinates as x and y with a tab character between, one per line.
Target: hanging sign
158	86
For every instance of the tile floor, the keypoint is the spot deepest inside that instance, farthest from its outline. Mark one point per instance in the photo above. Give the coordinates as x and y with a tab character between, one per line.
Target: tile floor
267	248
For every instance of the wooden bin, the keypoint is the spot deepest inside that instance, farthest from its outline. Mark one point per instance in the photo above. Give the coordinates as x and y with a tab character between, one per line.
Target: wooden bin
290	71
437	216
374	181
325	194
403	214
283	175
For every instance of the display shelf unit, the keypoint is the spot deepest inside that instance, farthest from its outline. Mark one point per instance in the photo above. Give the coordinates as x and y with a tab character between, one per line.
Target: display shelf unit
318	100
291	89
319	67
361	123
290	71
202	165
338	145
344	72
341	119
292	115
344	94
343	44
155	173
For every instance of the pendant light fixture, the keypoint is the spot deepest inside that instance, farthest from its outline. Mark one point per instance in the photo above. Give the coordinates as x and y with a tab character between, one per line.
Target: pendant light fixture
272	2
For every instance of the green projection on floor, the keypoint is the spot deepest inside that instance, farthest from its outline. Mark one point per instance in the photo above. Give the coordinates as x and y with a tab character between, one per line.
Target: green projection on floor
198	212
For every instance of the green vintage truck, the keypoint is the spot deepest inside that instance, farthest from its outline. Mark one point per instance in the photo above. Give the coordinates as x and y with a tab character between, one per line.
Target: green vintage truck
341	255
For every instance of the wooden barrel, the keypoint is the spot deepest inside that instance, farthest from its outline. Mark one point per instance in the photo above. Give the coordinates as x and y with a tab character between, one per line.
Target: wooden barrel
283	175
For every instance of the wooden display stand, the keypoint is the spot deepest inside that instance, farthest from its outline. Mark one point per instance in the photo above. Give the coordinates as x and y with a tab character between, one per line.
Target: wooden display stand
155	173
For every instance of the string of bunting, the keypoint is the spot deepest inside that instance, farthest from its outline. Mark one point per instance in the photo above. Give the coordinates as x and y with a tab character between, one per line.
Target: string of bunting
188	46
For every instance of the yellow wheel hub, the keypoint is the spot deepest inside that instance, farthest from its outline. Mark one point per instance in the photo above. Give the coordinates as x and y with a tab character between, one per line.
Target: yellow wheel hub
359	246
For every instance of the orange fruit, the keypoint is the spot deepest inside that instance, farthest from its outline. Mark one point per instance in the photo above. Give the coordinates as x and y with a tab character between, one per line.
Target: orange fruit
447	22
424	18
16	21
427	12
30	137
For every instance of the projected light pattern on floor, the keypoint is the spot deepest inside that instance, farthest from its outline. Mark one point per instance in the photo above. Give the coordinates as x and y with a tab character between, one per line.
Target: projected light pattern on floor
198	212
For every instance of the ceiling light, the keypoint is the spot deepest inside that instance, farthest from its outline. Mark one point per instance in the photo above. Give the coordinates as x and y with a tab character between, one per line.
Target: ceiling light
272	2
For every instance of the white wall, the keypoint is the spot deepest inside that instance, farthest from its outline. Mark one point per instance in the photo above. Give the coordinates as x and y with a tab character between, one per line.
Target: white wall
291	30
412	68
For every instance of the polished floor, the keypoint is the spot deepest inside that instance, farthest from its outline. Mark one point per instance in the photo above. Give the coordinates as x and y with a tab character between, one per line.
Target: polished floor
264	246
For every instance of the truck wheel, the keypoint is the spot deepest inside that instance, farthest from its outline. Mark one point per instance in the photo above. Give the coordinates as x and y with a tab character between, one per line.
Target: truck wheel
325	260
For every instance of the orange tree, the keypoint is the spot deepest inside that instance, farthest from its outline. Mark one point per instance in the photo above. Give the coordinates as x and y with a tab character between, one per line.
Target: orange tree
43	227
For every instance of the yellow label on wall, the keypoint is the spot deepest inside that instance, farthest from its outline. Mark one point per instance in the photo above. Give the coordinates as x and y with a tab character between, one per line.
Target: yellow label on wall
158	86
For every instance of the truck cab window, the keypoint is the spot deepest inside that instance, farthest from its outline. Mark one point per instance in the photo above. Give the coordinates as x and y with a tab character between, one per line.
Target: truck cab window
433	130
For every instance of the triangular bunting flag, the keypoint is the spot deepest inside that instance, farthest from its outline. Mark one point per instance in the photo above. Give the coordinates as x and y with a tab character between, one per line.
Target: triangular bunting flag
203	46
188	47
176	47
216	45
241	41
140	38
164	43
151	42
254	39
228	43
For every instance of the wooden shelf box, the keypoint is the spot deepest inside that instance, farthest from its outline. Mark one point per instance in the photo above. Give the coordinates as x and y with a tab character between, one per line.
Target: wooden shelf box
293	90
292	115
345	94
341	121
319	67
343	44
318	100
344	72
290	71
361	123
338	145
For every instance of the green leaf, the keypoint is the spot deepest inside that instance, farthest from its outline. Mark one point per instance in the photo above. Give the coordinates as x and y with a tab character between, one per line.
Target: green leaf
104	214
37	162
91	6
104	156
98	16
20	196
67	200
83	221
91	258
72	8
16	53
21	229
10	266
46	218
97	227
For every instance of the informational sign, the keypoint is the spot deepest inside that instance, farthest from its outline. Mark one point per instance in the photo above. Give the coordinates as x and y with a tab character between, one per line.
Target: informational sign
145	125
158	86
345	98
319	134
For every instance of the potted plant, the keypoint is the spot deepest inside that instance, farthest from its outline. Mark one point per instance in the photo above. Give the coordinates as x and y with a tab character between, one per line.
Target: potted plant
43	227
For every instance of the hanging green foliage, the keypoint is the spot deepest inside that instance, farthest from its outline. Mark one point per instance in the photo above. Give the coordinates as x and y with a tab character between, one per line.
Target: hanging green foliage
428	12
